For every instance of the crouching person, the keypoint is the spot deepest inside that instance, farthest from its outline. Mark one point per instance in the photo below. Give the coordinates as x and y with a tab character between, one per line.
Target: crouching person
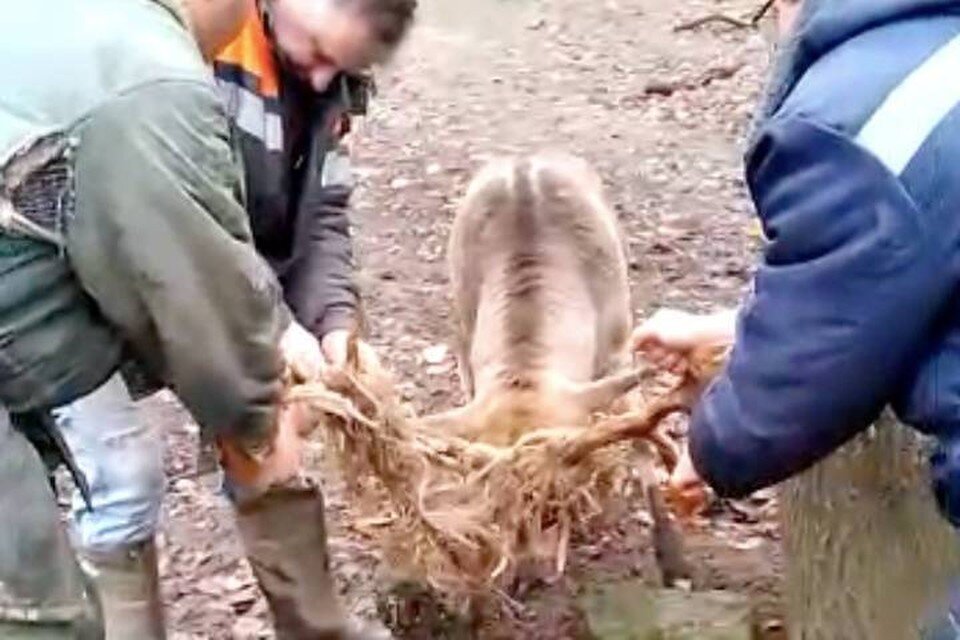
123	237
289	81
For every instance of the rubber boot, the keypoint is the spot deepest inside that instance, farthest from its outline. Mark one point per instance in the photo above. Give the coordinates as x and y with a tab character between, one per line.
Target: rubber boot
129	588
285	538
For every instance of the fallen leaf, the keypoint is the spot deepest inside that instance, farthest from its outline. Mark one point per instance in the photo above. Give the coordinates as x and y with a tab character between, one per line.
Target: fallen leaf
747	545
435	354
439	369
247	628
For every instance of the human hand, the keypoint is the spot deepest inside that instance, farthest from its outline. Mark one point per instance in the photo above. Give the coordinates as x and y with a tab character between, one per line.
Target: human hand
280	460
686	491
335	346
301	352
669	337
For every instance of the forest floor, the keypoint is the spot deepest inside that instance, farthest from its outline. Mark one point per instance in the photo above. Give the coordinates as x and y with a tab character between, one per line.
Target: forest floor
663	115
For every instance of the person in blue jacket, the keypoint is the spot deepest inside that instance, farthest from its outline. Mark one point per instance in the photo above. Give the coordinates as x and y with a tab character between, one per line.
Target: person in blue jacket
855	173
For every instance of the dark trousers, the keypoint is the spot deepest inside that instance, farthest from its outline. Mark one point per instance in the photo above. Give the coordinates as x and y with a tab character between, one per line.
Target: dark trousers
42	591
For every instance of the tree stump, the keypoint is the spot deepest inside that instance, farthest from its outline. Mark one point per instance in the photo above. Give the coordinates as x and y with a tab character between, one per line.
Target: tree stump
868	555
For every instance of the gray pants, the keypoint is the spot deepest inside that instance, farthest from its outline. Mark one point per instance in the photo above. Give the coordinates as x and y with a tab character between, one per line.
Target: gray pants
42	590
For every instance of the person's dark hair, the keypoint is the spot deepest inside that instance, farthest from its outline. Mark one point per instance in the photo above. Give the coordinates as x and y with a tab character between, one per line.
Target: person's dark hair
390	19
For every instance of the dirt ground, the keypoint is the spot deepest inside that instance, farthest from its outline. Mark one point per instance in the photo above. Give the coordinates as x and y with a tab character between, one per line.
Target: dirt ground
663	116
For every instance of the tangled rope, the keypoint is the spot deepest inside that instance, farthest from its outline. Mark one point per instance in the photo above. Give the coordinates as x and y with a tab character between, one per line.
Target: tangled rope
467	515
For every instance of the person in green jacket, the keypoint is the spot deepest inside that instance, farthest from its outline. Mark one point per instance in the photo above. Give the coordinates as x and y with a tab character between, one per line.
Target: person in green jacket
289	81
124	238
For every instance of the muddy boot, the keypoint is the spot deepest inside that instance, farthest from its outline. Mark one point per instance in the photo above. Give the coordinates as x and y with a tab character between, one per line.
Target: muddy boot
129	589
285	538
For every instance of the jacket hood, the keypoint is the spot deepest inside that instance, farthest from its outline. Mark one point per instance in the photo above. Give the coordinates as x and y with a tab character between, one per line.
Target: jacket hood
824	25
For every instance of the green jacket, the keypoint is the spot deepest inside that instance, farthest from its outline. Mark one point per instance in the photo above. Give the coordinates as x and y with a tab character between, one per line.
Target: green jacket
113	137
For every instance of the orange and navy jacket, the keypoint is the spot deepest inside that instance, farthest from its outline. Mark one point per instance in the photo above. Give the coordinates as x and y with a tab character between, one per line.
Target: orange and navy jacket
297	177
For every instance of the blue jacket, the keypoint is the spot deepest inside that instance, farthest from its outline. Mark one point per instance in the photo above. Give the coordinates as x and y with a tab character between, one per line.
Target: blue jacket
855	172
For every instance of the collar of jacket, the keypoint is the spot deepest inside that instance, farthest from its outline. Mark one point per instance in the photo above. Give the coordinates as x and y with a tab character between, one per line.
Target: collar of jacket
824	25
179	10
252	51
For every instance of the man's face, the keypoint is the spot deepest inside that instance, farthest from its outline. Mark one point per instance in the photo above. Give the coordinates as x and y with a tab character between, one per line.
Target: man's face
787	11
779	21
317	39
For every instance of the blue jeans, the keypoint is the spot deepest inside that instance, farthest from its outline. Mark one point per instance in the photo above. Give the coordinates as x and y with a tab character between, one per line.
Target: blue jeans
122	458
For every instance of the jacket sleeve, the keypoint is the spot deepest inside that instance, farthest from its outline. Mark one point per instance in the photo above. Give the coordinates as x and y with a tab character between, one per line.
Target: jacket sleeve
849	286
162	243
319	285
